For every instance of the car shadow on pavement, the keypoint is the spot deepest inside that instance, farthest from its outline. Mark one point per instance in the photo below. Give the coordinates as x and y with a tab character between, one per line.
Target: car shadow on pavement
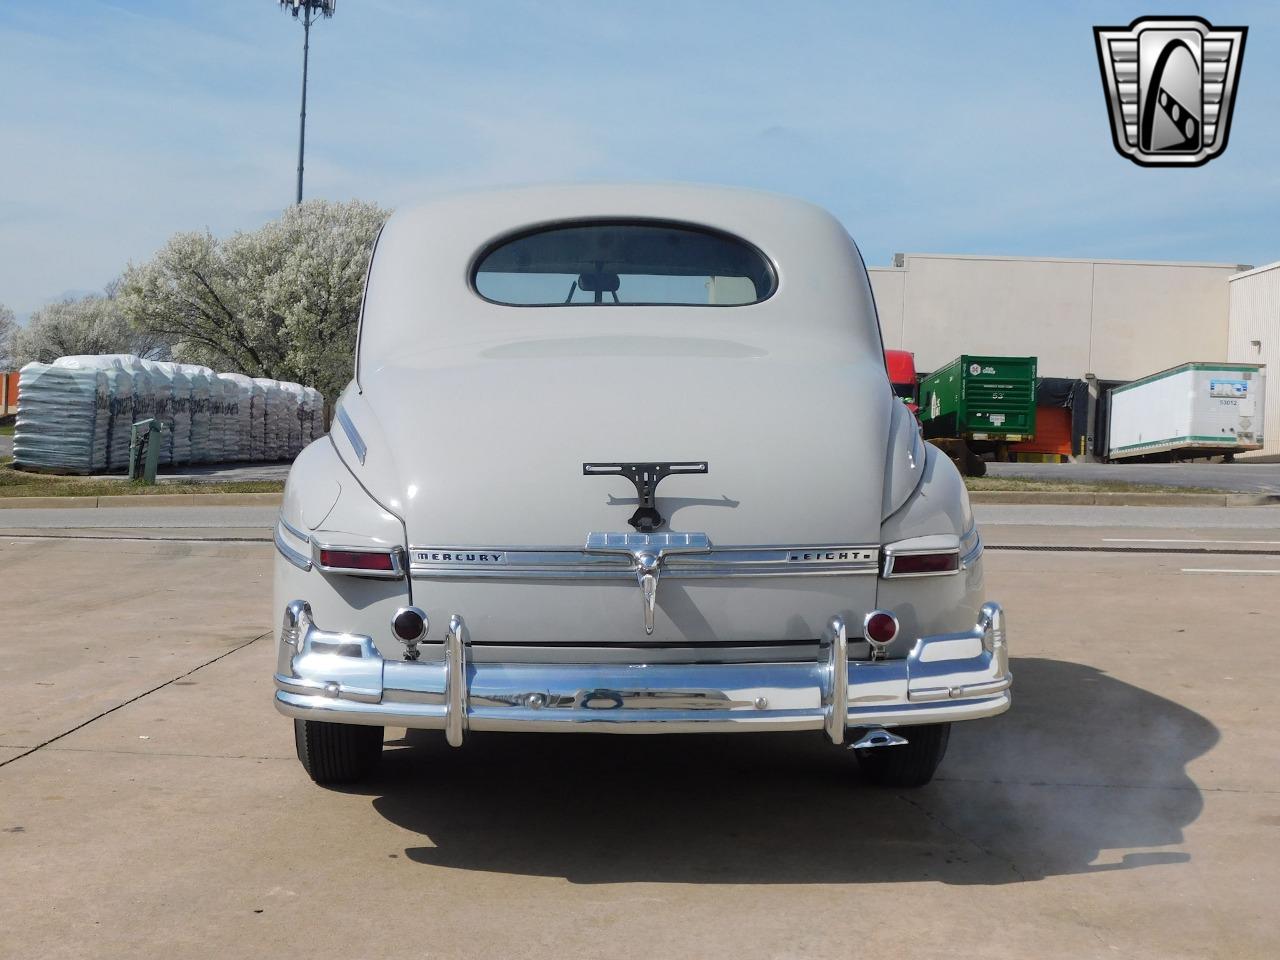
1084	769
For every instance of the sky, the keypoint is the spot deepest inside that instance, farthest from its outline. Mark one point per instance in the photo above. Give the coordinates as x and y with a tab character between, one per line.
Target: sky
944	128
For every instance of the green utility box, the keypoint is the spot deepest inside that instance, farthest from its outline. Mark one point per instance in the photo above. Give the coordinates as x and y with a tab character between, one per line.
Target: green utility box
979	404
144	451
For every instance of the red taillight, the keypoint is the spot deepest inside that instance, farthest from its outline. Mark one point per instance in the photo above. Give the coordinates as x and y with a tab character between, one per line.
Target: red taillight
904	564
357	560
880	627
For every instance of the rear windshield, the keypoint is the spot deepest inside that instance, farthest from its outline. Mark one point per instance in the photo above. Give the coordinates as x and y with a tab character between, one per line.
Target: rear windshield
624	263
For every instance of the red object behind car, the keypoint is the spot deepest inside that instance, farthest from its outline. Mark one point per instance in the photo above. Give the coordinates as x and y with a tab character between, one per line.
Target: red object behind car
902	374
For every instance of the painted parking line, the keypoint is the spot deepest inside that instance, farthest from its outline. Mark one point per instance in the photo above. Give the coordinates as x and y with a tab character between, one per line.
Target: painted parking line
1271	543
1226	570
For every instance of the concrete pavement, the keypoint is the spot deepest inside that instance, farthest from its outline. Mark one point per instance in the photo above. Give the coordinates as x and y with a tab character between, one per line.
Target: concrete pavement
1126	806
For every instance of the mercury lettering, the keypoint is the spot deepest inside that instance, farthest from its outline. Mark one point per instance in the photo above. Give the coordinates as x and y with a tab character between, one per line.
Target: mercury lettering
442	556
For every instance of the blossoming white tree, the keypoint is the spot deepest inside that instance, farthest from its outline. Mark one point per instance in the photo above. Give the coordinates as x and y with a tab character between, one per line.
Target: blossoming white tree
8	327
281	301
80	325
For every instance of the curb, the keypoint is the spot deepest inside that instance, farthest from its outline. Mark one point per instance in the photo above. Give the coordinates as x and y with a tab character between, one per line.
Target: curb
146	500
38	503
1124	499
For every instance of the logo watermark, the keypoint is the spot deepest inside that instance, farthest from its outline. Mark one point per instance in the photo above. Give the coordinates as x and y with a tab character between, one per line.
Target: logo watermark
1170	84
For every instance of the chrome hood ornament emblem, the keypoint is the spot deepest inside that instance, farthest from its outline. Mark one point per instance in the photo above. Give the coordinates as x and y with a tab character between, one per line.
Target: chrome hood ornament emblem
646	477
648	551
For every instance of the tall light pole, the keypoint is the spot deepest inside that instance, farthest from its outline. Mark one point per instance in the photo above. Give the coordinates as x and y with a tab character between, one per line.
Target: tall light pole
307	11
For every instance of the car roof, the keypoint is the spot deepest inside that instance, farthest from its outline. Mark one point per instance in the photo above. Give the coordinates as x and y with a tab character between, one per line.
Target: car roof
420	290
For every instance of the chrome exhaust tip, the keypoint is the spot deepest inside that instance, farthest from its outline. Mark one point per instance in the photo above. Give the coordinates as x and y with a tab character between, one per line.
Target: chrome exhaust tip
878	737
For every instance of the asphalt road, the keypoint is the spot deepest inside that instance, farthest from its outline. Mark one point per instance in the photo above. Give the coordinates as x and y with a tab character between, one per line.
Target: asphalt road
151	805
1238	477
258	519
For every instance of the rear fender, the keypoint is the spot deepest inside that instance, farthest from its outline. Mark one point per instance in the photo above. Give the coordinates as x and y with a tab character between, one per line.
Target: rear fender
904	459
324	504
934	604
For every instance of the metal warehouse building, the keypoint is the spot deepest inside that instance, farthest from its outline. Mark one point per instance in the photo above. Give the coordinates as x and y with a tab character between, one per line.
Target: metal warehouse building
1115	319
1253	336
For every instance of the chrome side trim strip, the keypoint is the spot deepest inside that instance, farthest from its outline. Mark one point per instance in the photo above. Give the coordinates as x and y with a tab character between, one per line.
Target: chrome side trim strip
305	538
969	559
299	560
517	563
353	435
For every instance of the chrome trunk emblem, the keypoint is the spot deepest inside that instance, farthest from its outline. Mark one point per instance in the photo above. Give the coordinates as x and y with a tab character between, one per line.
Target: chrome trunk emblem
648	551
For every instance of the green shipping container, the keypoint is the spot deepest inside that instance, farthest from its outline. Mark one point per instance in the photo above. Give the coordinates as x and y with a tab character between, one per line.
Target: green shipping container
981	398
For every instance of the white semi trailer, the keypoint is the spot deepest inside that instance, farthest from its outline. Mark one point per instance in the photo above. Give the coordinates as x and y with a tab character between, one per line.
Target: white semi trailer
1191	410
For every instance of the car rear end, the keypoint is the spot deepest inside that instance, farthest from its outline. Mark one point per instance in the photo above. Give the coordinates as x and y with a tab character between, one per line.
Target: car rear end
449	560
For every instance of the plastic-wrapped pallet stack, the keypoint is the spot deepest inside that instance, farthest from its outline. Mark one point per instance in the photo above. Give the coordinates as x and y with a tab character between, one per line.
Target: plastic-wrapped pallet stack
162	407
294	414
215	444
257	420
238	393
114	402
307	416
129	372
275	434
286	422
180	439
120	419
315	413
57	418
240	410
222	443
76	414
144	394
198	410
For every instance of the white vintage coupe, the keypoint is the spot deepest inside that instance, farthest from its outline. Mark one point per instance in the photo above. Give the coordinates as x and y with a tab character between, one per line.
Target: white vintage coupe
625	459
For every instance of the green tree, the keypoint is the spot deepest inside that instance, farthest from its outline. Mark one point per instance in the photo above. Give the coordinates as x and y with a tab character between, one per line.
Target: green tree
281	301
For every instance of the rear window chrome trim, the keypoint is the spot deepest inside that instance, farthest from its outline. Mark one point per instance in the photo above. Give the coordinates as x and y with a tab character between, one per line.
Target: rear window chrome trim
473	269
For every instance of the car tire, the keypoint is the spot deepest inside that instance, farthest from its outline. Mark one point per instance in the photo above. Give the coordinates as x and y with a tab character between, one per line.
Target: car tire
910	765
336	752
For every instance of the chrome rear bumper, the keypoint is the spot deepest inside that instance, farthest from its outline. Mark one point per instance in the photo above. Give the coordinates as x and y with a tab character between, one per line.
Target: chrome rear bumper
342	678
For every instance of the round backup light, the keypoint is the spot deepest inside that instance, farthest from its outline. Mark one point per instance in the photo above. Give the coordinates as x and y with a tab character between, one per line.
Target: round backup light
410	624
880	627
